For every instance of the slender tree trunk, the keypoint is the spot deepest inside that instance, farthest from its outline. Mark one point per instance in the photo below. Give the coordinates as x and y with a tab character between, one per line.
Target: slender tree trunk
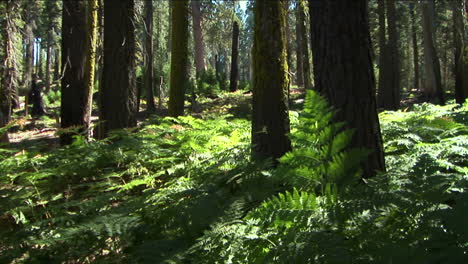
305	46
73	97
235	57
57	64
432	84
198	37
415	48
299	35
270	121
179	57
118	91
346	59
29	53
48	61
461	54
149	56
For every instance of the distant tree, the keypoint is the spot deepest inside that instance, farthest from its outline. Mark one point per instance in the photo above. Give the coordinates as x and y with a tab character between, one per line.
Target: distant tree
299	35
52	16
199	42
28	35
414	39
234	57
148	81
432	77
270	120
304	46
344	71
389	65
179	58
461	53
118	90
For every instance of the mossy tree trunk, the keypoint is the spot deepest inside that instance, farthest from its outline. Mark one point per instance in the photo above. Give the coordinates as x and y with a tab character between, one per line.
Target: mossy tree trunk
118	90
344	72
270	121
234	57
148	81
73	97
179	57
460	54
7	86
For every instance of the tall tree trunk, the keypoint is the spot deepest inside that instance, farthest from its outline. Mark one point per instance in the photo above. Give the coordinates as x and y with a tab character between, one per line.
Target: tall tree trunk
148	81
344	72
432	83
234	57
29	52
461	53
48	60
270	121
73	97
118	91
305	46
383	56
299	56
415	48
392	102
179	57
57	64
8	65
198	37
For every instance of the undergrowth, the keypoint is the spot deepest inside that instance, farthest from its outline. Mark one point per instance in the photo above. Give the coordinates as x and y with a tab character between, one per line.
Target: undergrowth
184	191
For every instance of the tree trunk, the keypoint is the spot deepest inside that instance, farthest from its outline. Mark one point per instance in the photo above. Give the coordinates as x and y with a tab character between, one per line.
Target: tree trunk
48	60
179	57
344	72
305	46
392	102
29	53
149	55
73	97
415	48
198	37
234	57
118	91
432	83
270	120
299	35
8	71
461	54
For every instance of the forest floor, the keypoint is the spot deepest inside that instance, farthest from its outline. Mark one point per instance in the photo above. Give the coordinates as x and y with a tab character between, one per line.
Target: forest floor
184	190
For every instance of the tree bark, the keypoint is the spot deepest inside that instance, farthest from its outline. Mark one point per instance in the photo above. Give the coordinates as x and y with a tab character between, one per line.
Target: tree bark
73	97
270	120
118	91
304	46
234	57
29	51
8	71
392	102
198	37
149	56
179	57
415	48
344	72
460	54
299	56
432	83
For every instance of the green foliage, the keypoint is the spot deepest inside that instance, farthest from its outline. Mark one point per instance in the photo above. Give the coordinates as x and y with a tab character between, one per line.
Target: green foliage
208	84
182	190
